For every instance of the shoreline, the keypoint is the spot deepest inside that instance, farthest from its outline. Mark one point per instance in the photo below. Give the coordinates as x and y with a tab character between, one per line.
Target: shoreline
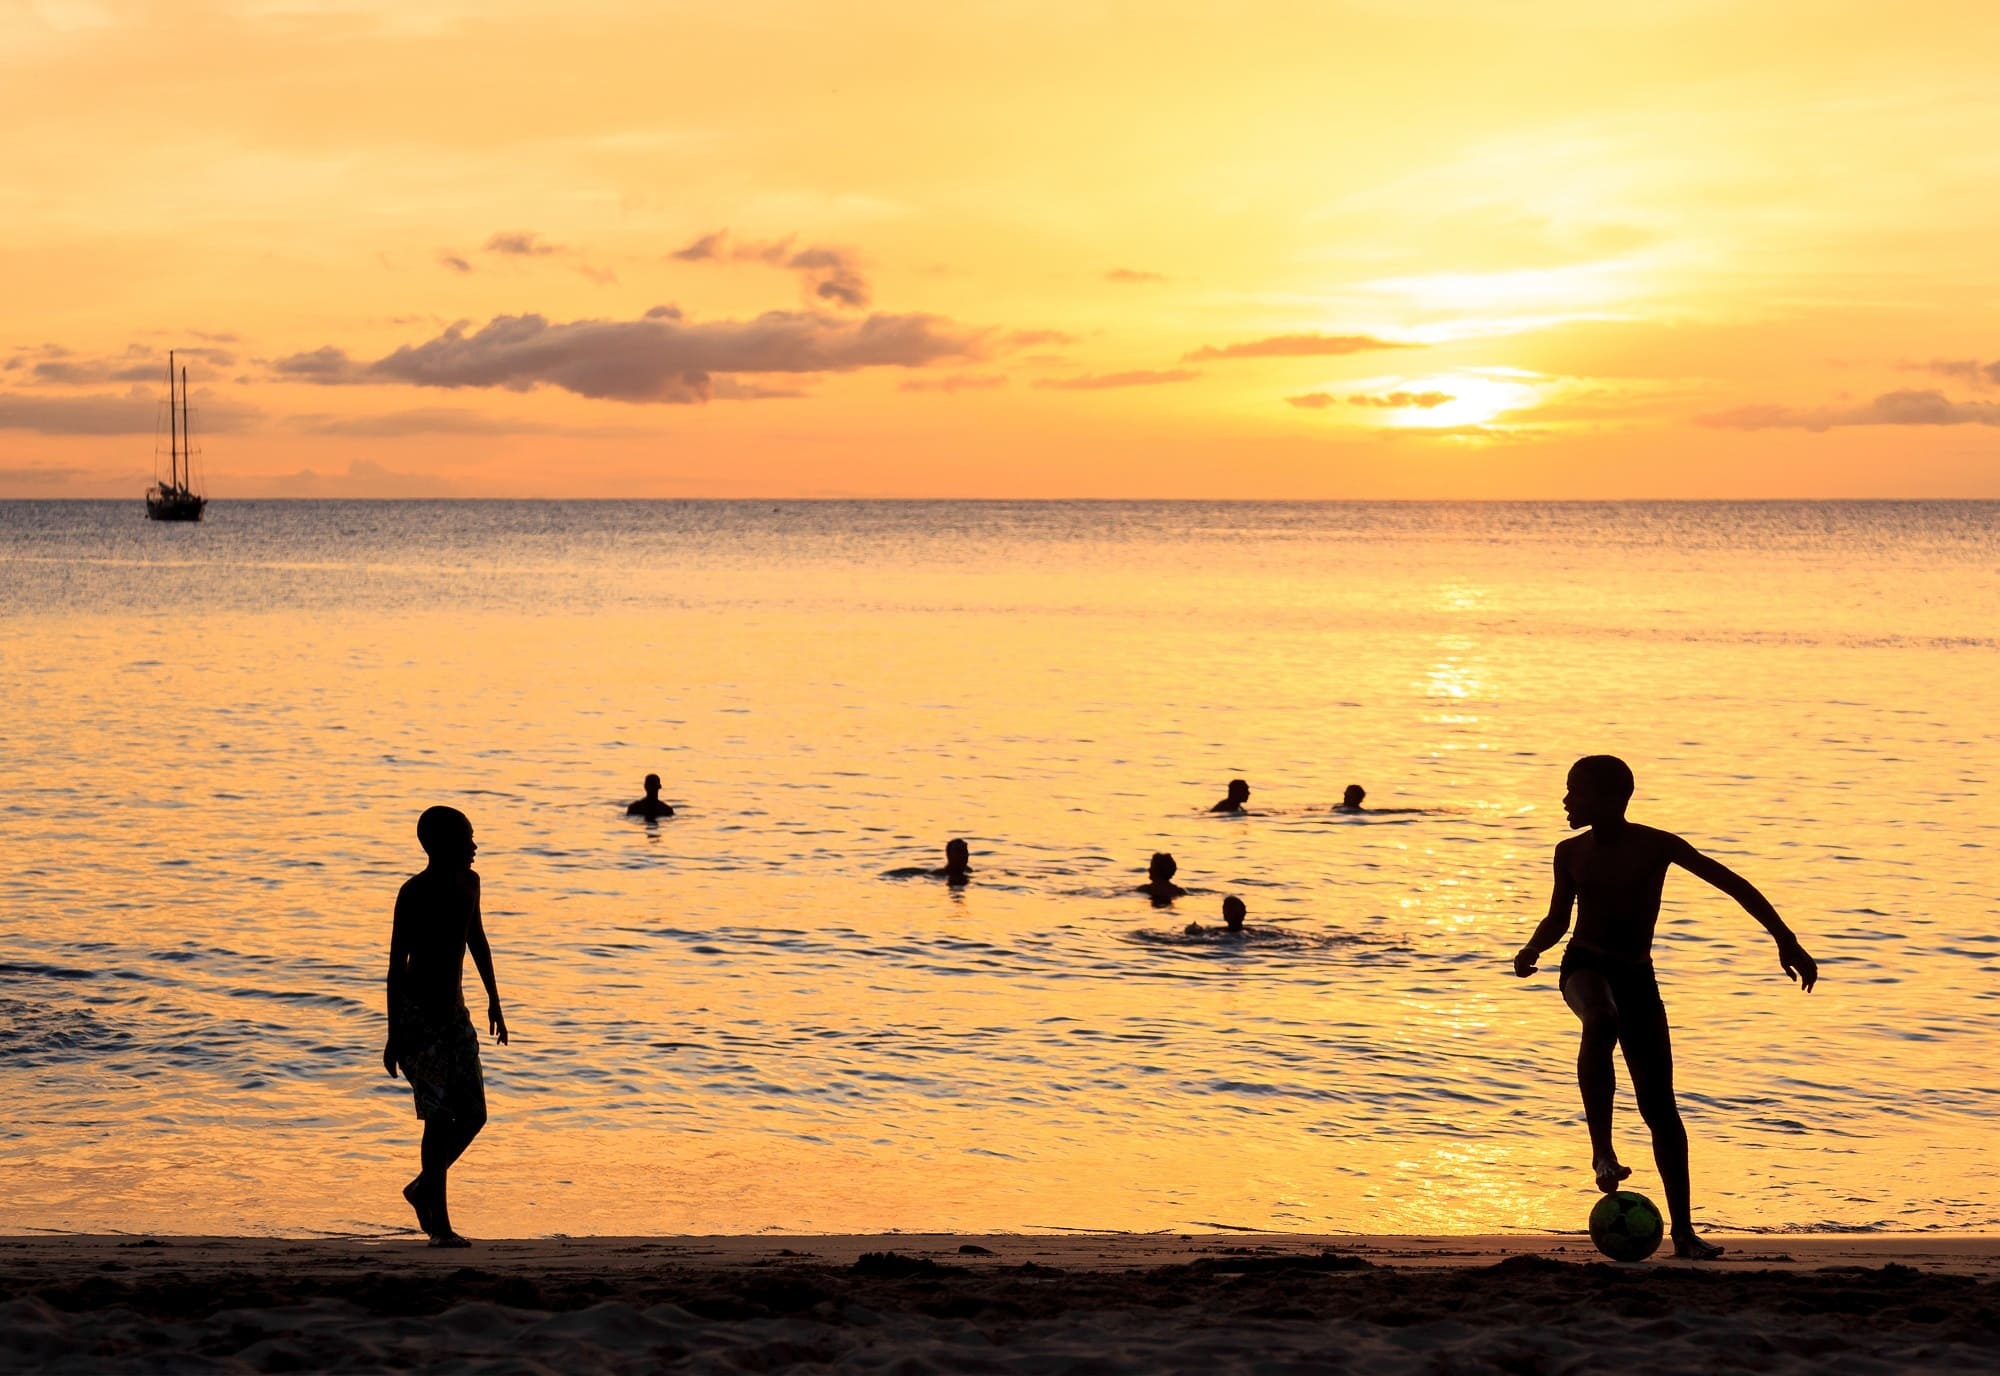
917	1303
1971	1254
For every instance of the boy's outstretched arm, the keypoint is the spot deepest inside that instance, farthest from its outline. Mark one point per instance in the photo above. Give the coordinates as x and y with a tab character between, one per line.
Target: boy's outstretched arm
1551	928
1792	957
399	956
482	959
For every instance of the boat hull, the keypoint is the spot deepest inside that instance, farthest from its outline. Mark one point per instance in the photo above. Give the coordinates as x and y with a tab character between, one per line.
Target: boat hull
174	506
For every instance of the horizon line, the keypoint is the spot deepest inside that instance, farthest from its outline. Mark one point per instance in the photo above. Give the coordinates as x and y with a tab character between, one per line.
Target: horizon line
1090	501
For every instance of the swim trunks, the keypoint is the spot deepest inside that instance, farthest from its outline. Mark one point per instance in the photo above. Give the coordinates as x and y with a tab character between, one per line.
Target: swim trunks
1634	989
440	1058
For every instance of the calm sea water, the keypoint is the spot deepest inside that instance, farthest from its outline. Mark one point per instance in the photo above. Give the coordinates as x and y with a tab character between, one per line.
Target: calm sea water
217	740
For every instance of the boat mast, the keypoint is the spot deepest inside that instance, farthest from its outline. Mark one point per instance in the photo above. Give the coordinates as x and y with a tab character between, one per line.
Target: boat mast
187	432
173	432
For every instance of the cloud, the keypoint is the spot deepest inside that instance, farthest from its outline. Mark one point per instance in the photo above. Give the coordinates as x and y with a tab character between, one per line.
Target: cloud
1296	346
604	277
136	412
709	248
1399	401
54	365
735	389
325	365
1133	277
422	420
521	243
1029	339
1965	370
364	477
658	358
454	262
1312	401
1891	408
954	382
1099	382
63	372
832	275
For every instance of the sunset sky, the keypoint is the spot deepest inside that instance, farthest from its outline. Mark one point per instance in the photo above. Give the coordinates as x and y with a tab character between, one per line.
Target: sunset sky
1401	248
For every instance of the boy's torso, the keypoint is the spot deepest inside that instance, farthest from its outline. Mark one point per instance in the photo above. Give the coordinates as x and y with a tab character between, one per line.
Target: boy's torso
1618	885
438	912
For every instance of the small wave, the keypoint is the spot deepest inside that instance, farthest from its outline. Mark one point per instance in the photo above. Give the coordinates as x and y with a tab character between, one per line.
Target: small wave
29	967
34	1034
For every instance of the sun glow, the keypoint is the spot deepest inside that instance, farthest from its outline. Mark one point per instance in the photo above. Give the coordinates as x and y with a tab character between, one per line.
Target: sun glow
1448	401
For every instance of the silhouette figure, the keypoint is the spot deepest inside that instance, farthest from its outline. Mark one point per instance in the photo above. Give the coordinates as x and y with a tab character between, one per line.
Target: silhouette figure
1350	799
1233	913
1160	885
957	866
1239	794
1614	874
430	1032
651	807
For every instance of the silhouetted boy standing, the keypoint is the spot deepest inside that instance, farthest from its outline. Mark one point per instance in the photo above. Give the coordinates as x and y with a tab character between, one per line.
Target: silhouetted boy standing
1614	874
430	1032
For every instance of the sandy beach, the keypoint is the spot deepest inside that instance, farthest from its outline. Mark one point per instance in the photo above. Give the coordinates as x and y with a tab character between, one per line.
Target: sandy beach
920	1303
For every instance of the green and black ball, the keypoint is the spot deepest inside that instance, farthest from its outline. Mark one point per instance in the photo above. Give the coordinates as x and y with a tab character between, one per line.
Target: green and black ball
1626	1227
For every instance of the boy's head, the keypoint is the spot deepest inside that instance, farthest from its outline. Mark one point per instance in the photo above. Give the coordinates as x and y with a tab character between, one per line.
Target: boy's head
1239	791
652	784
1599	788
1352	795
957	855
1162	867
445	833
1233	912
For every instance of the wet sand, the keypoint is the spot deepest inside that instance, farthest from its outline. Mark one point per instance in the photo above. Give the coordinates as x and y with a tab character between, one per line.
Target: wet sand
914	1303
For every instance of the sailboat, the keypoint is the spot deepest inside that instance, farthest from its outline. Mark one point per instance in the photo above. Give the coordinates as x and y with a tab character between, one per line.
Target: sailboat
176	499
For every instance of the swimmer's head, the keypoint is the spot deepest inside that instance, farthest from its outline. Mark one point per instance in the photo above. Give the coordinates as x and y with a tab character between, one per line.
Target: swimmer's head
445	833
1233	912
1599	788
652	784
957	855
1162	869
1353	795
1239	791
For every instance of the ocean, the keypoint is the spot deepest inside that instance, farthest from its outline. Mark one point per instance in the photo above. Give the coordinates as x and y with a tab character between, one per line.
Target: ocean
218	738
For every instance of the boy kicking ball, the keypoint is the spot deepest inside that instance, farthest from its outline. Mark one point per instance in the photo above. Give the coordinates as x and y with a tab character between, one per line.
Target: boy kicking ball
1613	874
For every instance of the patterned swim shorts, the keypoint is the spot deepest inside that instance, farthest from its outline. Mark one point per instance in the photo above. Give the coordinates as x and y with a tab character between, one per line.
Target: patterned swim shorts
441	1061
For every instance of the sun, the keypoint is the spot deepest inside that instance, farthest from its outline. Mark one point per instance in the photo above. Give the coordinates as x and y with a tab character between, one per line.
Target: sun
1449	401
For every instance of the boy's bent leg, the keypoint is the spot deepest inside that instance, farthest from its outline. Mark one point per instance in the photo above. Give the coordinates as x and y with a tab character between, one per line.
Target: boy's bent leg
1589	997
1649	1055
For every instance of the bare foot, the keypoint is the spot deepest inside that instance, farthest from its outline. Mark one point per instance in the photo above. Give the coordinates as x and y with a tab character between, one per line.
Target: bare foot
448	1238
1688	1247
414	1193
1609	1173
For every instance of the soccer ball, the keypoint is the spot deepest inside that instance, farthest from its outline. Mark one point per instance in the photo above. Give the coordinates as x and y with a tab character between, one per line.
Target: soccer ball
1625	1226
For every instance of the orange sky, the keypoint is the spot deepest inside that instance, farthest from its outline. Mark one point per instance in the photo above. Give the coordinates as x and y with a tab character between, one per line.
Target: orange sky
1388	248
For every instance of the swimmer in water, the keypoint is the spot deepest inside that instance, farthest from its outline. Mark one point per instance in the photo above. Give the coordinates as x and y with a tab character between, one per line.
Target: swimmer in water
651	807
1233	913
1239	794
1160	885
1612	873
957	866
1350	799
